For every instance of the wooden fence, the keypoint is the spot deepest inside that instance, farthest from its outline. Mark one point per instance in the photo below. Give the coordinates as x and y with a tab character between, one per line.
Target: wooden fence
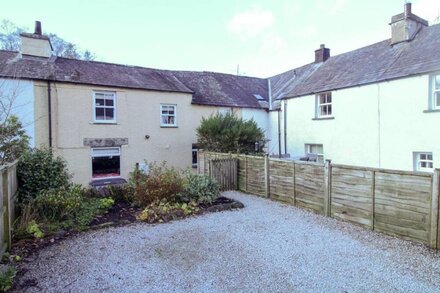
399	203
8	191
225	172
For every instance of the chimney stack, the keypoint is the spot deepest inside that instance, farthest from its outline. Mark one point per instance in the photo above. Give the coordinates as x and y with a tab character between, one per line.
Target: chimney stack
322	54
406	25
38	28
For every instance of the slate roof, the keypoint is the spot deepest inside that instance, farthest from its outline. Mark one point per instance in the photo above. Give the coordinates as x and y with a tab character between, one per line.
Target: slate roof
371	64
208	88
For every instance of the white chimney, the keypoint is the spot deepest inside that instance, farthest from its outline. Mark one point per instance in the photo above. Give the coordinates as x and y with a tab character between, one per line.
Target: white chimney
406	25
36	44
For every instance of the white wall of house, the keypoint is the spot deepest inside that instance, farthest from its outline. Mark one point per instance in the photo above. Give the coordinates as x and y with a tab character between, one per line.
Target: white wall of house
378	125
260	117
21	93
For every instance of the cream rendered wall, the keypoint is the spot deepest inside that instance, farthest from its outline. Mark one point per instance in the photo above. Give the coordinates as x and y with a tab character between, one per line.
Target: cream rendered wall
20	94
36	47
137	115
378	125
260	117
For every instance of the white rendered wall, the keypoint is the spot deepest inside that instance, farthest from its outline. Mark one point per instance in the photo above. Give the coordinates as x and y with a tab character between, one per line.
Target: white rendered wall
22	94
378	125
259	116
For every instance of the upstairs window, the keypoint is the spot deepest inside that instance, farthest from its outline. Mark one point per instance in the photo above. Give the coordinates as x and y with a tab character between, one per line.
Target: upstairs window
168	115
315	152
436	92
104	107
324	105
423	162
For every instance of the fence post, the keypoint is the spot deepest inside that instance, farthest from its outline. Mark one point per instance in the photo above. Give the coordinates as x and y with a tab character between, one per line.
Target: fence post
327	187
267	175
433	239
5	204
246	172
294	184
373	198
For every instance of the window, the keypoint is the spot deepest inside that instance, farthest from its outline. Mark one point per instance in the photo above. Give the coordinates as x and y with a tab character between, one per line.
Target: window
106	162
168	115
315	152
423	162
324	105
104	107
195	150
436	92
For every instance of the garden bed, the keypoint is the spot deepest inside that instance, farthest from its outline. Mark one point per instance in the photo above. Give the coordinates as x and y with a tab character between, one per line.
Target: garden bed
121	213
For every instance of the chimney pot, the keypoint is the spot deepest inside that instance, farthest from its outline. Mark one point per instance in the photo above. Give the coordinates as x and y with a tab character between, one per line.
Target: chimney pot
38	28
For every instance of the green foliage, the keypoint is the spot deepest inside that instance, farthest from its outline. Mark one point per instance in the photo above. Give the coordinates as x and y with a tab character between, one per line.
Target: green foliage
106	203
228	133
161	183
200	188
90	208
7	279
165	211
59	204
34	229
13	140
39	170
121	193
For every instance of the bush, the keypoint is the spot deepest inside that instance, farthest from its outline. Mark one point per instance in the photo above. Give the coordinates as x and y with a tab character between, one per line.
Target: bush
59	204
164	211
39	170
121	193
228	133
200	188
161	183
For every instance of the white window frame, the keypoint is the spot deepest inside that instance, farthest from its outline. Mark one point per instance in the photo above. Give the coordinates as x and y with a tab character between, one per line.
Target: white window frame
418	160
319	105
435	91
168	115
92	155
309	153
95	120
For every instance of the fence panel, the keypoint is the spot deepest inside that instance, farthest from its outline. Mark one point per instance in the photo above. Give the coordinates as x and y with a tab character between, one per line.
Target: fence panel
309	186
282	183
256	176
352	195
8	190
224	171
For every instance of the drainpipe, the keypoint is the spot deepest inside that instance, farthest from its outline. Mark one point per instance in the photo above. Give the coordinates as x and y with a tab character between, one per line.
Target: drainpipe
279	133
269	89
49	111
285	127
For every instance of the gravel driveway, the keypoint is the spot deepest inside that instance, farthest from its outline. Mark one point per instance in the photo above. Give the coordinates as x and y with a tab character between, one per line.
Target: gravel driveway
265	247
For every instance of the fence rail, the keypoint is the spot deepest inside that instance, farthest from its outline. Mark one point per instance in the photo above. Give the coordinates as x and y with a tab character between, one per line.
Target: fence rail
8	190
399	203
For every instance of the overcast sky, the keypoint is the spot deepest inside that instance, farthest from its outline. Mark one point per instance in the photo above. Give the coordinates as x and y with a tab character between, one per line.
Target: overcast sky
264	37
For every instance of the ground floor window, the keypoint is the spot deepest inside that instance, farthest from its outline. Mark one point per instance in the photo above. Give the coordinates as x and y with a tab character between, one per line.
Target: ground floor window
106	162
195	151
423	161
315	152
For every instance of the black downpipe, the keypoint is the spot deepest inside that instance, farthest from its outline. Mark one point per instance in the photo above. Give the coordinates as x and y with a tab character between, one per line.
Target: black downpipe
285	127
49	110
279	134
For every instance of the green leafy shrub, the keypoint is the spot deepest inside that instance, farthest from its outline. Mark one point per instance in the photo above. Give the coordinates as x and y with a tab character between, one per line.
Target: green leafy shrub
165	211
200	188
106	203
7	279
59	204
161	183
229	133
34	229
121	193
39	170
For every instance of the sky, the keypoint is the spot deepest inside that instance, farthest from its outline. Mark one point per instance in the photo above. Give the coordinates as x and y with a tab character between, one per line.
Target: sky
254	38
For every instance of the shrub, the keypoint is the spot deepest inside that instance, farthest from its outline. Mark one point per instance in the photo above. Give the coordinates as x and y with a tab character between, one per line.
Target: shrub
106	203
164	211
40	170
7	279
59	204
34	229
121	193
200	188
161	183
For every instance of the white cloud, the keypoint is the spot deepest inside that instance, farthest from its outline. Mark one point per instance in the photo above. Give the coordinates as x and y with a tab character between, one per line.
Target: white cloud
427	9
251	23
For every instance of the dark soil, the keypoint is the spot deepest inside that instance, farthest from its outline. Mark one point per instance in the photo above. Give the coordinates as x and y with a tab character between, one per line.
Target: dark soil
120	214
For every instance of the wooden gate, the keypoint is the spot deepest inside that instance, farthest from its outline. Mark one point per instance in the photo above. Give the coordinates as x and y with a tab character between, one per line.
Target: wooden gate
224	171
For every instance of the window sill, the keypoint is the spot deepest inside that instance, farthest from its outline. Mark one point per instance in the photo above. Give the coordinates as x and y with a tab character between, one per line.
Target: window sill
168	126
432	111
104	123
323	118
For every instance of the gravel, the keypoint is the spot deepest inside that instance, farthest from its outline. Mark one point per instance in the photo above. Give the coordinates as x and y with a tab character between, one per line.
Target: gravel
265	247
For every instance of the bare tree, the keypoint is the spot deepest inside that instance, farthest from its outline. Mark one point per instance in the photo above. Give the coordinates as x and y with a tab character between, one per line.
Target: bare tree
10	40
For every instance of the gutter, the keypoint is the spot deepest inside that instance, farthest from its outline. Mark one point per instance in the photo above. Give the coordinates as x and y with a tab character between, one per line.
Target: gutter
49	112
285	127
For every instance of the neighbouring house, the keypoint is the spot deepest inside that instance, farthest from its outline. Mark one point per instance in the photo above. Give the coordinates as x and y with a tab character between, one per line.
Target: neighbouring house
376	106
